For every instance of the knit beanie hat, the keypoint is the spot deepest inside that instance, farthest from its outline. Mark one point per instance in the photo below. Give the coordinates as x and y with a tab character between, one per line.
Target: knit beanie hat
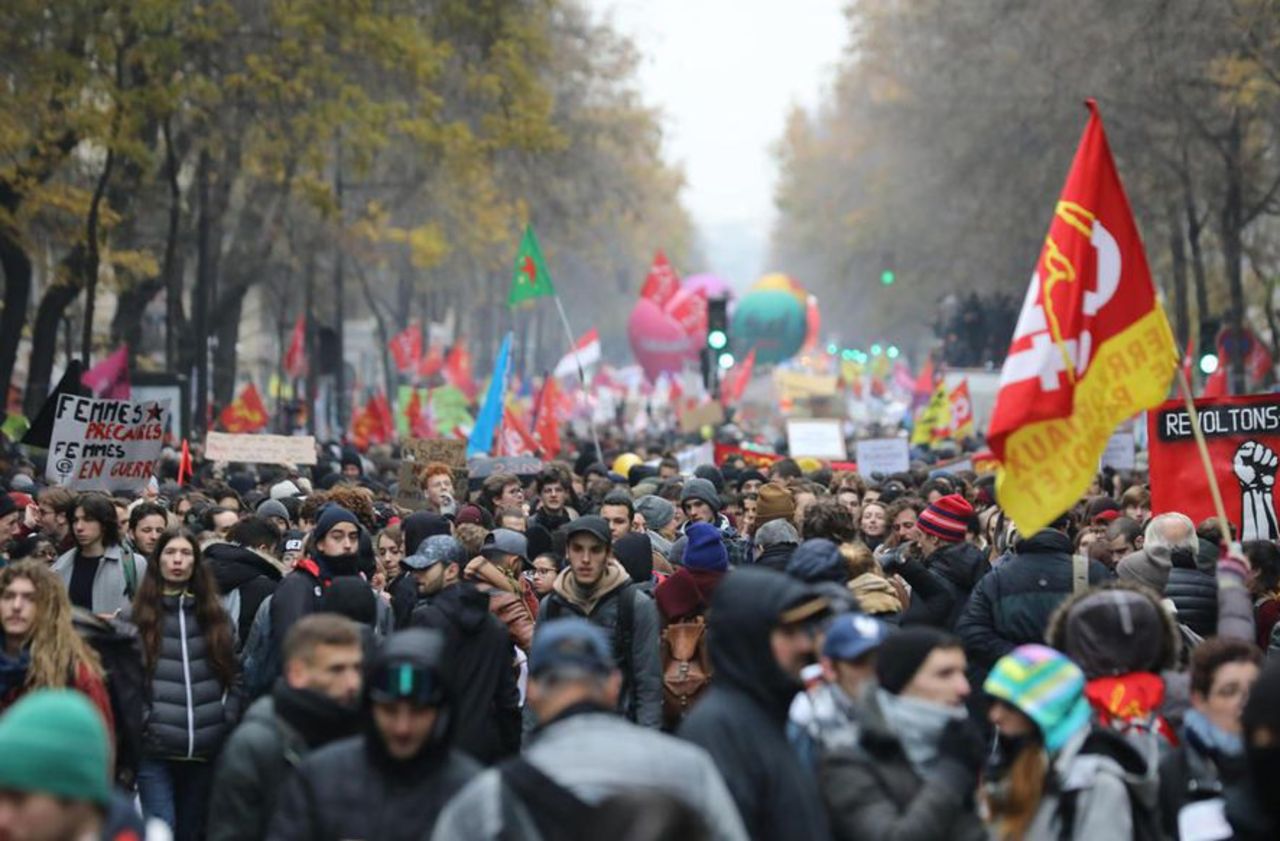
657	512
704	548
1046	687
817	559
700	489
774	502
273	508
420	525
329	517
947	519
634	551
712	474
904	652
54	741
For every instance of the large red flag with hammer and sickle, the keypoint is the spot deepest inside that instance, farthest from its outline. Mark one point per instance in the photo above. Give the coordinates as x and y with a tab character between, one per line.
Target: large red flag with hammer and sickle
1092	345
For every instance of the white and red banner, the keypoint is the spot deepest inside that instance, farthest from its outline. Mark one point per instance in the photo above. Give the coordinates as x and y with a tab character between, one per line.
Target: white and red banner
586	352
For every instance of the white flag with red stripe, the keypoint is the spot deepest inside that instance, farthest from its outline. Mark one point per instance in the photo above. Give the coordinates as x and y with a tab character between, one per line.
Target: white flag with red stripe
587	350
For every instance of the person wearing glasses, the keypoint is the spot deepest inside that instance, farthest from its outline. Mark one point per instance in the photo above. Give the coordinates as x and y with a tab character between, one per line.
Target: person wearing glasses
393	780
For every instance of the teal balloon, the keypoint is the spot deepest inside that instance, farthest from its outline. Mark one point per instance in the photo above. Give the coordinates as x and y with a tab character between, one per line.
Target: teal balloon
772	322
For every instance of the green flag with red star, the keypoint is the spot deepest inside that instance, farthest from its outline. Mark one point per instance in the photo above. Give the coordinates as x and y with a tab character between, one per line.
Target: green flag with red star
530	279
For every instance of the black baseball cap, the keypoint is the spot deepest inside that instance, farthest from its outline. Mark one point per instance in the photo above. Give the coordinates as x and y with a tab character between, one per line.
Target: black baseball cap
592	525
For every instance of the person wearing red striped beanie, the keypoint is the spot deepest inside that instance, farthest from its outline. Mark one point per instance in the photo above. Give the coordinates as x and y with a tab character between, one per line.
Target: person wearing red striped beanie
944	567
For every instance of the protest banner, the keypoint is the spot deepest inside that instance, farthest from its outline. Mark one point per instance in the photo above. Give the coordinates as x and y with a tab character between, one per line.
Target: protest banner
1121	451
260	449
696	417
817	437
105	445
1243	437
690	457
797	385
416	454
754	459
882	455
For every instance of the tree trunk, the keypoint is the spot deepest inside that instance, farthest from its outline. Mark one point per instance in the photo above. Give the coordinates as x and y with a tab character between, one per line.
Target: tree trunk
227	337
171	270
1230	233
206	266
44	333
1178	265
1194	228
17	269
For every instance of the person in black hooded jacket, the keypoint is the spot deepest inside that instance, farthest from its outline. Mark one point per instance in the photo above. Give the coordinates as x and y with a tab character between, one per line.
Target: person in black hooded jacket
403	588
334	542
1193	589
246	570
392	781
487	712
741	720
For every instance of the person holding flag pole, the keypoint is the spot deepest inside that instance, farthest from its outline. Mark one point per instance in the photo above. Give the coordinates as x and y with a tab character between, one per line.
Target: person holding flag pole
531	279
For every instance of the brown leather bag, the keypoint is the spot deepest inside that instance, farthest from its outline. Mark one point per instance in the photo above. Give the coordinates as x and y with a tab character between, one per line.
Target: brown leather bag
686	667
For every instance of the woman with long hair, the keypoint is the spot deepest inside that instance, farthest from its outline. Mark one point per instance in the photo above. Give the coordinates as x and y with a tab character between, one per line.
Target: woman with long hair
39	647
193	687
873	525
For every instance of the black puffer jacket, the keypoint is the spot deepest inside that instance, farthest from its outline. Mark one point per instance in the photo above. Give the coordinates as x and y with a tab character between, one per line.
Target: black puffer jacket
487	712
952	572
1011	605
354	789
741	721
240	569
1195	595
189	713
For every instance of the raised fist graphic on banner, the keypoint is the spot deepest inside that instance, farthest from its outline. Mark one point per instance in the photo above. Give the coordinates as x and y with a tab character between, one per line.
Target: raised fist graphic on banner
1255	468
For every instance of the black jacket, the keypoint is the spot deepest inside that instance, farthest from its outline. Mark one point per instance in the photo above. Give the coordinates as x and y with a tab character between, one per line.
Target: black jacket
404	597
487	712
239	568
942	583
354	789
776	556
298	595
1011	605
276	733
741	720
1195	595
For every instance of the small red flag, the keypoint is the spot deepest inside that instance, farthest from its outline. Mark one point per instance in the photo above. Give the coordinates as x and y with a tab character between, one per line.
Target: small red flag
295	358
184	463
514	439
662	283
457	370
406	348
246	413
547	425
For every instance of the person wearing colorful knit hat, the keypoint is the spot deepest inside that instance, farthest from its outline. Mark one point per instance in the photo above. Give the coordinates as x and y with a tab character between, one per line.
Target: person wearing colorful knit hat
940	565
1052	766
55	777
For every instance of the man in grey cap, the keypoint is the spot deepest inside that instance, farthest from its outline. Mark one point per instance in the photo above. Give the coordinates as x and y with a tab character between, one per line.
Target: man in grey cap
584	753
594	586
659	520
273	510
479	664
775	541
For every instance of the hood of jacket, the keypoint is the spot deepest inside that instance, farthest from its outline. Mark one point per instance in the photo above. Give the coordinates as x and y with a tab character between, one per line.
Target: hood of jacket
463	604
422	648
614	577
744	610
314	716
1112	752
1045	542
817	559
233	565
1115	628
960	563
776	556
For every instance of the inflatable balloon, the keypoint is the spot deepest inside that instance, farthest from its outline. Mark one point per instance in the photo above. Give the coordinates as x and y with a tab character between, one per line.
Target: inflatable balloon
708	285
781	283
770	320
813	323
659	340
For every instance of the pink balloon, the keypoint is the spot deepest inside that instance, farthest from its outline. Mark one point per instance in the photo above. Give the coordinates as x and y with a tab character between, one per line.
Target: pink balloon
659	342
708	285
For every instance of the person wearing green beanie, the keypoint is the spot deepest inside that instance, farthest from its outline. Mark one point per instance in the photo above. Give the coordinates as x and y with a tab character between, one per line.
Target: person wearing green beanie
55	777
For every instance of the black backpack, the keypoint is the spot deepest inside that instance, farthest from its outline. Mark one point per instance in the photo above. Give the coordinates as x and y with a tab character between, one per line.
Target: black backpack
119	649
557	812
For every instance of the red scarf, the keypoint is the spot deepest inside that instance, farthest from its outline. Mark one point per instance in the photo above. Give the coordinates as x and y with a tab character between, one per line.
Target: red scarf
1125	700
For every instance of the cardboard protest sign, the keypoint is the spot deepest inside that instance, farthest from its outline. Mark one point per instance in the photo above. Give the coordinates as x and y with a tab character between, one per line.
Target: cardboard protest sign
696	417
882	455
105	445
1243	436
260	449
1121	451
820	438
419	452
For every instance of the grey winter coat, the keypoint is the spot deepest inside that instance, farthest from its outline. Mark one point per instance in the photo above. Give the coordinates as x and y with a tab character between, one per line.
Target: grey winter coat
189	713
595	755
872	791
109	583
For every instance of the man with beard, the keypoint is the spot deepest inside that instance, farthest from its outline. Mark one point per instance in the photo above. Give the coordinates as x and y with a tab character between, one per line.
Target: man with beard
392	781
480	652
403	588
761	636
313	704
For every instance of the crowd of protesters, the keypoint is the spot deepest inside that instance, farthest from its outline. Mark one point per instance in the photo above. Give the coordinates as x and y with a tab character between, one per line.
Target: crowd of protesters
611	648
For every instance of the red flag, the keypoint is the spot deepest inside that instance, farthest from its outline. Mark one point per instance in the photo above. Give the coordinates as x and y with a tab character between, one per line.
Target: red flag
386	421
184	463
662	283
547	425
1092	346
365	425
1216	384
514	439
923	388
246	413
295	358
406	348
431	363
419	423
457	370
961	410
735	385
110	377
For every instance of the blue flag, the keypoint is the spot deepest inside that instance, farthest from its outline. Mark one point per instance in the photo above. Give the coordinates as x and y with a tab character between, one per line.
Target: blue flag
481	440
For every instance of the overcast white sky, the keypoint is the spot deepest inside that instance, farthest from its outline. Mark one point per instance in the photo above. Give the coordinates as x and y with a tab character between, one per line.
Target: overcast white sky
725	73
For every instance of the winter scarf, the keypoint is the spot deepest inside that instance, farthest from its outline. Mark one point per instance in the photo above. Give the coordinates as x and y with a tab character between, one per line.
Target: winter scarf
1130	699
918	725
13	671
1210	739
566	585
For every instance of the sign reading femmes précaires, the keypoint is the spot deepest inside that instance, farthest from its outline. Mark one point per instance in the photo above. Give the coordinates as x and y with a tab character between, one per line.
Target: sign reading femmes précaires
105	445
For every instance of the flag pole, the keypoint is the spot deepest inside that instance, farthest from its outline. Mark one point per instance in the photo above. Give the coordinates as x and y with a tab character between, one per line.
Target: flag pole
1223	524
582	376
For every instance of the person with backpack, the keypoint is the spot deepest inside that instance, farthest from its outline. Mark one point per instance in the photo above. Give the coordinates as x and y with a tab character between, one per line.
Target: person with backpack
584	753
193	689
99	573
596	587
1054	774
682	601
246	569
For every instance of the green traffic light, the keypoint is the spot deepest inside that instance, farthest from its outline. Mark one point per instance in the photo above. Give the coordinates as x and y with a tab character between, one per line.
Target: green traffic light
726	360
717	339
892	352
875	350
887	277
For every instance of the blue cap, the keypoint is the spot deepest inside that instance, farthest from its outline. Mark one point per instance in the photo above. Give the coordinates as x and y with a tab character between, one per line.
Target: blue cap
570	644
851	635
436	549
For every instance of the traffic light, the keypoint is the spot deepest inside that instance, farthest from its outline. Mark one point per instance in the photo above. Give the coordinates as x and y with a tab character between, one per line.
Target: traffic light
1207	362
887	273
718	324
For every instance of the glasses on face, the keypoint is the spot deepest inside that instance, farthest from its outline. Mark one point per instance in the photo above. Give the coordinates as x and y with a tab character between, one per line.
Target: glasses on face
543	571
